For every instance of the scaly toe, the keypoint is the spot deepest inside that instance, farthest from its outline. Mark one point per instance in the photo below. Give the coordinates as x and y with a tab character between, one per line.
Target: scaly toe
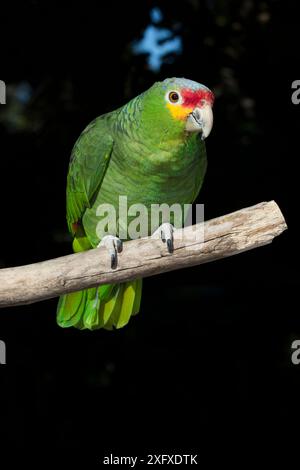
114	246
165	232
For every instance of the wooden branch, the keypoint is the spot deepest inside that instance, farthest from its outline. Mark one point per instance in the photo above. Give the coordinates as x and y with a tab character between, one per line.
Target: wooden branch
224	236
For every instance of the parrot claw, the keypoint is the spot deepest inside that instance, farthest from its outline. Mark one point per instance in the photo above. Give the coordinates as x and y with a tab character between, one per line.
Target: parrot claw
114	246
165	233
170	245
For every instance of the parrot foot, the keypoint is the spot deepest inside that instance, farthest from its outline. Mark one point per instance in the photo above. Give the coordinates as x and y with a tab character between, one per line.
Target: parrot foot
114	246
165	233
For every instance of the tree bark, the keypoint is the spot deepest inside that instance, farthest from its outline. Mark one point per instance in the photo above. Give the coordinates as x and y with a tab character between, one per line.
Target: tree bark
224	236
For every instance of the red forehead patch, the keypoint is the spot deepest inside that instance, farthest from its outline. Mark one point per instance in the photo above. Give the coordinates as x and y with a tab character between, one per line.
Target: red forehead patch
193	98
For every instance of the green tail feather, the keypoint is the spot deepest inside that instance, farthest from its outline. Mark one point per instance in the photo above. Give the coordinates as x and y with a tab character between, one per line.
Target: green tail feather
107	306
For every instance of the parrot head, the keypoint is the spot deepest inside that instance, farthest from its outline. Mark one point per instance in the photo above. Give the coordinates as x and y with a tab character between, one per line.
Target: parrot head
180	105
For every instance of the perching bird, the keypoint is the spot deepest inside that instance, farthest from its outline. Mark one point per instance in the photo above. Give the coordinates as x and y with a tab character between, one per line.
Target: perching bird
152	151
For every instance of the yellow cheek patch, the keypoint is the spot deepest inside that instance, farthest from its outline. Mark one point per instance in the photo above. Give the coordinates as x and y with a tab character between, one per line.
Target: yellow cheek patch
179	112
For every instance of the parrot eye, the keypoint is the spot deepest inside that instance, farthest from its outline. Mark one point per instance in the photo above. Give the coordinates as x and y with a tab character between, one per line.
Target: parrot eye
173	97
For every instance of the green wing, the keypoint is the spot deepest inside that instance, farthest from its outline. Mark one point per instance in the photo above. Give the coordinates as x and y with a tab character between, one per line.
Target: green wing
89	160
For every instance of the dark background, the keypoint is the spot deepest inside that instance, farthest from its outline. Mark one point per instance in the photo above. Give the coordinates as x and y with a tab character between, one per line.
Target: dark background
210	352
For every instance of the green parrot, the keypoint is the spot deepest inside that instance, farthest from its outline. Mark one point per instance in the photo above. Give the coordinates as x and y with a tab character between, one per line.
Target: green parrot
152	151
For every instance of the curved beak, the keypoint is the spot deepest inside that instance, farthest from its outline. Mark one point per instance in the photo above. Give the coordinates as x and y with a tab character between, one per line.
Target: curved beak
200	120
